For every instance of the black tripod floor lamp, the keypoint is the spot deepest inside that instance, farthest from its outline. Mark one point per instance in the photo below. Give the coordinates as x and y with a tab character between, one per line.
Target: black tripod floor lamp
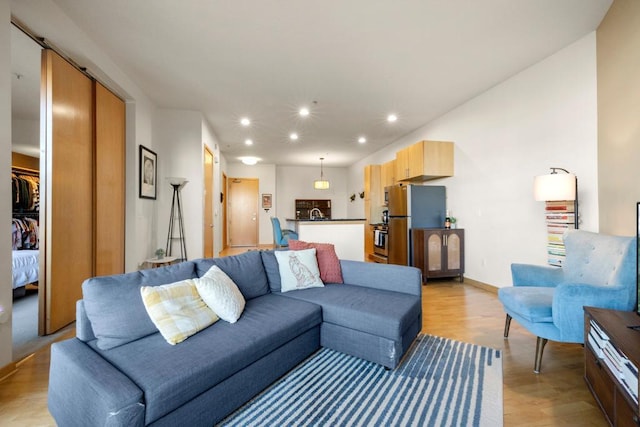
176	220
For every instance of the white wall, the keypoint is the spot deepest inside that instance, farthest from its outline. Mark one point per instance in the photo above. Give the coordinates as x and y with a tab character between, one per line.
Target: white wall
6	293
140	214
296	182
544	116
178	137
25	136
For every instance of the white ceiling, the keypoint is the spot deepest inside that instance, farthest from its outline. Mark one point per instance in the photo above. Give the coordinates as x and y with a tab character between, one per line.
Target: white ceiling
351	62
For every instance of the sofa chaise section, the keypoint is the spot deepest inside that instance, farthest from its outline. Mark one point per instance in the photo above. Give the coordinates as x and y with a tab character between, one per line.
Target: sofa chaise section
375	315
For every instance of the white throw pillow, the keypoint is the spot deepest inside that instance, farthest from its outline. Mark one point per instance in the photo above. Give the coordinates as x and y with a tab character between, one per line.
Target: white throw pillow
177	310
221	294
298	269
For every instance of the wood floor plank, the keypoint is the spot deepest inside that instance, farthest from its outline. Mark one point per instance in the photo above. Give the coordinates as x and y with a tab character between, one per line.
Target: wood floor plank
557	396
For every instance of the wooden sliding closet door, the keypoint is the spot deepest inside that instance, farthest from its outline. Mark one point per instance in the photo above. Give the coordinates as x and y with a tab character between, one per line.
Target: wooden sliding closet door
207	231
110	183
66	187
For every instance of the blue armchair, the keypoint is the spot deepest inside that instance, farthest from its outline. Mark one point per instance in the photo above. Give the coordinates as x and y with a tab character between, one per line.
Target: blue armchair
281	237
599	271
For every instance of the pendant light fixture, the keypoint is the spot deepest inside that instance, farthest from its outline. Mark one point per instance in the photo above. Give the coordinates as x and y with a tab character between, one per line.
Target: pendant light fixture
321	184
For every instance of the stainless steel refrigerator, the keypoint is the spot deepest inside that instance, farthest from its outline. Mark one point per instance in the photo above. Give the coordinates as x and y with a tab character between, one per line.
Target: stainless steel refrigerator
412	206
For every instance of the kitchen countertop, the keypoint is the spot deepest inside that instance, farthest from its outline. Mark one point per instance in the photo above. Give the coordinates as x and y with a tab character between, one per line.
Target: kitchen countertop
347	235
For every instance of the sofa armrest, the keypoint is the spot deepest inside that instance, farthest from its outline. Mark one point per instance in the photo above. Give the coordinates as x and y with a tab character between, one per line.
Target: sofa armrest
84	331
389	277
85	389
569	300
536	275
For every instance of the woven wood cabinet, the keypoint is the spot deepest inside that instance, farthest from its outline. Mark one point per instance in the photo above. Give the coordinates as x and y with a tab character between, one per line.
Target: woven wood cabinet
438	252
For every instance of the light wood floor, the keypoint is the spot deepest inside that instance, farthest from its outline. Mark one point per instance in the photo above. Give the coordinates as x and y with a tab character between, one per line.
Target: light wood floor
556	397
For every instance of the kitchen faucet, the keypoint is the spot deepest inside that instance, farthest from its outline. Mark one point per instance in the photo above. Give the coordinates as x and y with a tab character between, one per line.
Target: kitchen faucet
315	210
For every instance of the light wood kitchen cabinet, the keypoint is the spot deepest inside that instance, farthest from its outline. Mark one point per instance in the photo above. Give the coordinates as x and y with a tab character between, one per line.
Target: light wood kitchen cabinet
438	252
388	172
424	160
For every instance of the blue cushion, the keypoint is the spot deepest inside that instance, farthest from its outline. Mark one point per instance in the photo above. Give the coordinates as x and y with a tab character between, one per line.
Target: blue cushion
245	270
170	376
532	303
270	264
114	306
378	312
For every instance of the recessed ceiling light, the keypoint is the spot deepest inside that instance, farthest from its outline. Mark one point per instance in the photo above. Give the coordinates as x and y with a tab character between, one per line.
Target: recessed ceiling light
362	140
293	136
248	142
245	121
304	111
392	118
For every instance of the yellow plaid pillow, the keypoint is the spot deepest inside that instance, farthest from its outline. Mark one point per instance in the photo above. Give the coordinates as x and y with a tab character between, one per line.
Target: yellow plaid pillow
177	310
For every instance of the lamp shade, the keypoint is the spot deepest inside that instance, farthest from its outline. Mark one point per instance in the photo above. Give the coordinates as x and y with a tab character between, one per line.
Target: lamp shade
554	186
321	184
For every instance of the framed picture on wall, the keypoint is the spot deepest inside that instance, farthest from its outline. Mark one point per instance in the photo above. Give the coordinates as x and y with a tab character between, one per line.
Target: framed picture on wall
148	173
266	201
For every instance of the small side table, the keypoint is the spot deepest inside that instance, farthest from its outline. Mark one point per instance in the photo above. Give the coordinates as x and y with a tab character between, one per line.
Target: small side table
161	262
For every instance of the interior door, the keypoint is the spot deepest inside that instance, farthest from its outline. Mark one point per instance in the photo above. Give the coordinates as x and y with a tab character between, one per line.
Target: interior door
223	201
243	212
109	182
66	189
208	204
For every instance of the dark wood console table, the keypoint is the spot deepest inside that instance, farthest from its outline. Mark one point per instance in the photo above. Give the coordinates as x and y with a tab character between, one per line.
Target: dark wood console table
616	402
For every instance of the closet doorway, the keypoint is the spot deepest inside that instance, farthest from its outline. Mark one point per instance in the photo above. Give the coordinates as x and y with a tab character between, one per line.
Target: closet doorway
26	224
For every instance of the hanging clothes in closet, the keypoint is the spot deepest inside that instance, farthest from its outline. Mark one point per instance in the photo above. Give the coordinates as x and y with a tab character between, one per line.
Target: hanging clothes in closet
24	233
25	192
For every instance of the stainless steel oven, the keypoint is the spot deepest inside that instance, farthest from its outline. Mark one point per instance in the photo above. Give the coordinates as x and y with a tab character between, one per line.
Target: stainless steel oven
381	241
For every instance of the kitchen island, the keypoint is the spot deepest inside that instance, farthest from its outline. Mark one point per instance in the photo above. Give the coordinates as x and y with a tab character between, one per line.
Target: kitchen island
347	235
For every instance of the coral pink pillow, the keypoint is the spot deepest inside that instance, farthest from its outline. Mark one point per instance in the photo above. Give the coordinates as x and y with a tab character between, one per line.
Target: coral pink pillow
328	261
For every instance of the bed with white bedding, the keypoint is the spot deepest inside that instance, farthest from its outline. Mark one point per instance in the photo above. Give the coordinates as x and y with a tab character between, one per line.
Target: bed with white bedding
26	264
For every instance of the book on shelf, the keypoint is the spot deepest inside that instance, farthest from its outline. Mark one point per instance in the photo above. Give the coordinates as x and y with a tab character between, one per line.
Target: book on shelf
557	230
600	333
631	379
623	369
561	205
553	252
595	346
555	238
559	216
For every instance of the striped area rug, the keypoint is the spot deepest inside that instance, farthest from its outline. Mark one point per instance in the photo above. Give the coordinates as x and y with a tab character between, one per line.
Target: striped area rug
440	382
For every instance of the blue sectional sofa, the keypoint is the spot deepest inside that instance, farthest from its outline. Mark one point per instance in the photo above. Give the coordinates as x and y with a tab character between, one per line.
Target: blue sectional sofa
119	371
